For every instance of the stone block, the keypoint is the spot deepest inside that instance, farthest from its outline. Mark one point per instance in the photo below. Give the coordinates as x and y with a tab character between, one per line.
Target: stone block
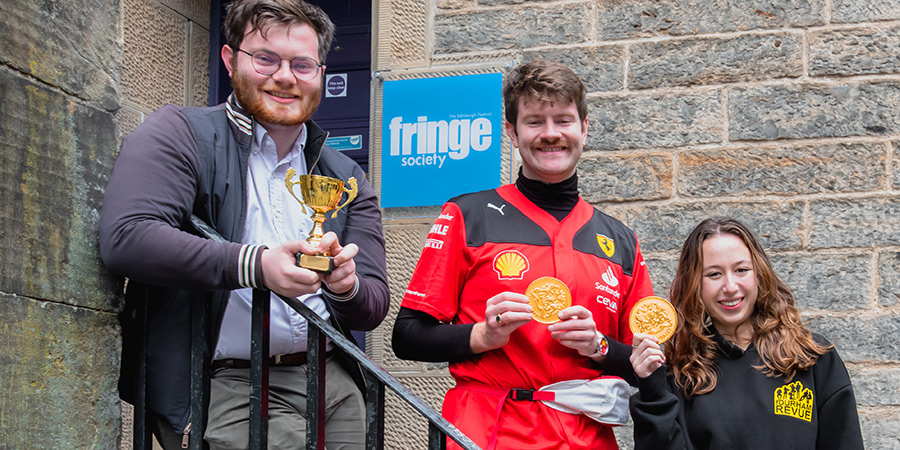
857	222
408	32
522	27
453	4
196	11
832	282
786	170
881	428
617	122
814	111
600	68
74	46
662	272
403	243
845	11
889	279
500	2
404	427
625	435
876	386
896	163
665	227
57	157
643	18
856	51
154	73
715	60
198	78
859	338
127	119
58	367
603	178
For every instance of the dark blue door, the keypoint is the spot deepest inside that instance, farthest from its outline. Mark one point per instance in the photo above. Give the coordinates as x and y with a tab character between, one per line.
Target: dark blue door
344	111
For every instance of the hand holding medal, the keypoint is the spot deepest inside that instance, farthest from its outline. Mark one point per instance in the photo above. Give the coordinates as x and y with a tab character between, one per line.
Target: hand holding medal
547	297
655	316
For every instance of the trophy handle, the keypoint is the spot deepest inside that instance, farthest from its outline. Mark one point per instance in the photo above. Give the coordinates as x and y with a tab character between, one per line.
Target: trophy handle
290	185
351	194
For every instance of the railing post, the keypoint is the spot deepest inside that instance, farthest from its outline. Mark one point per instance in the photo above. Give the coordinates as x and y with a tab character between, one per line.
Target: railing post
439	427
143	438
199	373
315	389
374	412
437	440
259	370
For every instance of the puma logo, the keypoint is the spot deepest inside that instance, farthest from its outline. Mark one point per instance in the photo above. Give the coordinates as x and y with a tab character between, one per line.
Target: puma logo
500	209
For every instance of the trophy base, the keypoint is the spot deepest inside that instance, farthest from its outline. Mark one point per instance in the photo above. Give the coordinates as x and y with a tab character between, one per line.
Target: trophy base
319	263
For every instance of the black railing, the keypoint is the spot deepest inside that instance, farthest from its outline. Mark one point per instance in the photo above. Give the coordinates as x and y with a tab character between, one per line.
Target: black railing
439	429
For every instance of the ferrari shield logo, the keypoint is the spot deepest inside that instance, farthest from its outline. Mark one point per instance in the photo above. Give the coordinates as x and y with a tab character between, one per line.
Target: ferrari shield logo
606	244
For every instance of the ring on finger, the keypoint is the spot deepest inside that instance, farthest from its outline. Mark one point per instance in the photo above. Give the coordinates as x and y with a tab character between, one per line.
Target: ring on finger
498	319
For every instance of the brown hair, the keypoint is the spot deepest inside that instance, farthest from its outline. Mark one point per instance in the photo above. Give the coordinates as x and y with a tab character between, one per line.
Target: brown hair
546	81
782	341
262	14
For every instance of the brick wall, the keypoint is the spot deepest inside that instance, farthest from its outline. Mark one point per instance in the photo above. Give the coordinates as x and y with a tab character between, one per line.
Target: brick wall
782	113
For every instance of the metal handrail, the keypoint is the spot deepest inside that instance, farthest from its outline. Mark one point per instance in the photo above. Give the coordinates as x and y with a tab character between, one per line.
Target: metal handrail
375	375
376	379
439	427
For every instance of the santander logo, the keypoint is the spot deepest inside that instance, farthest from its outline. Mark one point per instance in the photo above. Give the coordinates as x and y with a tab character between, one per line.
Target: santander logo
610	278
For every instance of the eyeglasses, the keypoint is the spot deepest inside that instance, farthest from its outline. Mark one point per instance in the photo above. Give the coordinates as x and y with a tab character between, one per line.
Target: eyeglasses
267	63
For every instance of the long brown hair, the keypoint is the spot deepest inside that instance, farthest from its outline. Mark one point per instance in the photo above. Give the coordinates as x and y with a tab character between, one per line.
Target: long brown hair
783	342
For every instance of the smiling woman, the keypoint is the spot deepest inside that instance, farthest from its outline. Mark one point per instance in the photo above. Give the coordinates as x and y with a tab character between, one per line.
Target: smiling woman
740	341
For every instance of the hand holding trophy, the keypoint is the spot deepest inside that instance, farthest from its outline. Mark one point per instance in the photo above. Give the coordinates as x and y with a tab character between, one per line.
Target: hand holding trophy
321	194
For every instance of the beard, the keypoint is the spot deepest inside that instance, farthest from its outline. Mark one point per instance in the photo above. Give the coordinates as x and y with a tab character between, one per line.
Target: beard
251	99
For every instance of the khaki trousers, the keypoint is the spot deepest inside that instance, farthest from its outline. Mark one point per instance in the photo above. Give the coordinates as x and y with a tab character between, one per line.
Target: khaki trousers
229	409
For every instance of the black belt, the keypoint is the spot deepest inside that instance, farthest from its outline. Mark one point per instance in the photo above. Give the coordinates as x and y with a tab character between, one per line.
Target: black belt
291	359
529	395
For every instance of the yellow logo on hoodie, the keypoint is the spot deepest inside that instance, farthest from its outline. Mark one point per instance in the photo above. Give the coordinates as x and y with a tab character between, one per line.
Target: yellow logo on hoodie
794	400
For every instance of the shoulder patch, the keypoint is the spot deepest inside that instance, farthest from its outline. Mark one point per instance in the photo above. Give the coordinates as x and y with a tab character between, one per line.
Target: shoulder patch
490	218
607	238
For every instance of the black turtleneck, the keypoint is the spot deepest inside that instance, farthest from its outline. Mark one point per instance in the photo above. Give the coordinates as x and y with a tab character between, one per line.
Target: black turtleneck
558	199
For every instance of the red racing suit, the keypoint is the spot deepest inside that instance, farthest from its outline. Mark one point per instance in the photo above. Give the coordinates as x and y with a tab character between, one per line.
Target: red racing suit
495	241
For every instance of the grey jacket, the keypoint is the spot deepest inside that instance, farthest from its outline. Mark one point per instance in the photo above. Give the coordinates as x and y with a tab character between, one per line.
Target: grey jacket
193	161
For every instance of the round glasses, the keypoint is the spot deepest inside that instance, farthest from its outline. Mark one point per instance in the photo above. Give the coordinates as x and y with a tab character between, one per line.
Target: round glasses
267	63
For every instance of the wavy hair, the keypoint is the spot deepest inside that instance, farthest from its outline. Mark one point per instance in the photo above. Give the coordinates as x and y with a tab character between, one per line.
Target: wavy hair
546	81
262	14
778	333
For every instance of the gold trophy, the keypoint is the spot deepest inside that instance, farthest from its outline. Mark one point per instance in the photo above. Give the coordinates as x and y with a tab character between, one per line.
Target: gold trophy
322	194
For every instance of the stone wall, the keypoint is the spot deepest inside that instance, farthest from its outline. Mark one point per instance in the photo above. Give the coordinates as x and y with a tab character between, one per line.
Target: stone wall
782	113
74	77
59	87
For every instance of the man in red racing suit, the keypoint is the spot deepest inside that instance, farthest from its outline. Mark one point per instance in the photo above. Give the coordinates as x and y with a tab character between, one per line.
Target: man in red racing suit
465	301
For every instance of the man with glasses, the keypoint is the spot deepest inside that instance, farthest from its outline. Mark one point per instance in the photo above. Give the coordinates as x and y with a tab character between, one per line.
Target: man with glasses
226	165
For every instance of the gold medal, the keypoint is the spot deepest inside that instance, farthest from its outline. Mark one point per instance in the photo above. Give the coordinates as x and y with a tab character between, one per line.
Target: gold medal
547	297
653	315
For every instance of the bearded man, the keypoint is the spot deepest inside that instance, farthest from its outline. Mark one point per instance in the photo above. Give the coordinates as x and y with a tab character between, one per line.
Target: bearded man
227	165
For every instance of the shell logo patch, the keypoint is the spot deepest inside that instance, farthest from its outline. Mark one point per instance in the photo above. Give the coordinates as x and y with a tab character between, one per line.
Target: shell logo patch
510	265
606	244
794	400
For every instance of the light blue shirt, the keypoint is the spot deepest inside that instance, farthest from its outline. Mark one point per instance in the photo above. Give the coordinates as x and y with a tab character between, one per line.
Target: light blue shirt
273	217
